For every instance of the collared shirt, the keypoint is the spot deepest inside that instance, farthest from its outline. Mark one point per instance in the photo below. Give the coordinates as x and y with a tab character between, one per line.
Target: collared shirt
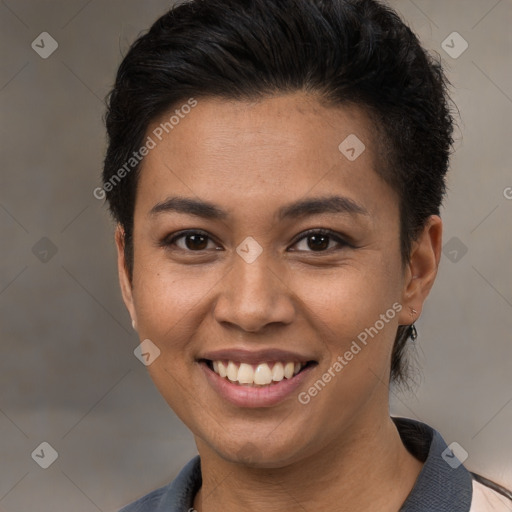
443	485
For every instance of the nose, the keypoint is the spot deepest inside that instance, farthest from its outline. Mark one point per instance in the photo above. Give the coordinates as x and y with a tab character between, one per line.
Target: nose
254	295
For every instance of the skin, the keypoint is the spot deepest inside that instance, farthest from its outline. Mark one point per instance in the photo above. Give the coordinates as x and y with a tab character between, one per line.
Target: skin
341	451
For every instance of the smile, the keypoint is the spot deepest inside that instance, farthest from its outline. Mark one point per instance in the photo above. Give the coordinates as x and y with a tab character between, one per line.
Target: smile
250	383
262	374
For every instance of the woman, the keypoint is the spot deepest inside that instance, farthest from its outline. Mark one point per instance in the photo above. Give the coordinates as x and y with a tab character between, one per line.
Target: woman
276	170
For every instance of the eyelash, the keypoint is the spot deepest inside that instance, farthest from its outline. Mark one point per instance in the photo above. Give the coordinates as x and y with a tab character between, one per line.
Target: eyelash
170	240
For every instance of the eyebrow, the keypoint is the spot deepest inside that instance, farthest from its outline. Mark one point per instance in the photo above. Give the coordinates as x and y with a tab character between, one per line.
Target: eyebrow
298	209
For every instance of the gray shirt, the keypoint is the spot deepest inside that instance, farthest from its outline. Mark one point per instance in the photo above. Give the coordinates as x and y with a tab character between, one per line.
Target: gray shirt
443	485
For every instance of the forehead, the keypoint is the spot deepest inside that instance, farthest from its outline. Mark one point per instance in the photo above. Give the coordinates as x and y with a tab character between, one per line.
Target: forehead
282	147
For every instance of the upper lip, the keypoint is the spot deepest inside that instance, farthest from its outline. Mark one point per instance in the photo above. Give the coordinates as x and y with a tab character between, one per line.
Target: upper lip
255	356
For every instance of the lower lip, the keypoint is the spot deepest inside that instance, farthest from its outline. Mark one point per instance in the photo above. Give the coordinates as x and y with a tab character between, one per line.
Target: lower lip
246	396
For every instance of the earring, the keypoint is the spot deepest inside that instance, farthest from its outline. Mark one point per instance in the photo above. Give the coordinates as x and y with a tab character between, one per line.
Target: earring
413	333
134	325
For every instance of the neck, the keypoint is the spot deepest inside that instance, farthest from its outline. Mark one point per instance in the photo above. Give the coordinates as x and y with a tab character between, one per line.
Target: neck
368	469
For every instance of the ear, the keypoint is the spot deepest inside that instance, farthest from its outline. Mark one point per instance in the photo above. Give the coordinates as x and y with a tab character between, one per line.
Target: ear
421	270
124	279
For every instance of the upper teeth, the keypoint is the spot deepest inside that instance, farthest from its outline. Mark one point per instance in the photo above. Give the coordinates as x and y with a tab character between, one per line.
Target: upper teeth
260	374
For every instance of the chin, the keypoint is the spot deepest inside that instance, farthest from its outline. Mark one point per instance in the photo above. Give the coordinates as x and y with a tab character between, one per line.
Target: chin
258	453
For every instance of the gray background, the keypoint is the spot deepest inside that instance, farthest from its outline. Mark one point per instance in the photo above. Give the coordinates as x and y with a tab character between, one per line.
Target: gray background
68	375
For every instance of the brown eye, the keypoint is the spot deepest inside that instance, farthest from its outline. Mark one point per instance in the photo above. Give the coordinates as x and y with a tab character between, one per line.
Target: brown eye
192	241
196	242
320	241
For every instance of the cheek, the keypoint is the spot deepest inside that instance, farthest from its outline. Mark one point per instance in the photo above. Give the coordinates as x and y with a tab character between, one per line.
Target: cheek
165	296
170	306
341	301
354	313
349	298
356	320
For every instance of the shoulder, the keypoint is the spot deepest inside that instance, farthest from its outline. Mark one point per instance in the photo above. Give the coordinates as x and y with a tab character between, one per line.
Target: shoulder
177	496
149	503
444	483
489	496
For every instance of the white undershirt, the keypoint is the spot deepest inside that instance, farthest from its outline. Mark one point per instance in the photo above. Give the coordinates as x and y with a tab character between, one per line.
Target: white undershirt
486	499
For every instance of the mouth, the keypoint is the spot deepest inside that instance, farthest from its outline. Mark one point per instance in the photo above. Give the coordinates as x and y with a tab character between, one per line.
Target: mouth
260	375
255	379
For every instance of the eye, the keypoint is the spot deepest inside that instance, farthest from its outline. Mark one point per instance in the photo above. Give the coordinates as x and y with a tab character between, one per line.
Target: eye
191	240
318	240
315	240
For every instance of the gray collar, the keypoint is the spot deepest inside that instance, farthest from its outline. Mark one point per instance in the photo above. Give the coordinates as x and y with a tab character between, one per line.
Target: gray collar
438	488
441	485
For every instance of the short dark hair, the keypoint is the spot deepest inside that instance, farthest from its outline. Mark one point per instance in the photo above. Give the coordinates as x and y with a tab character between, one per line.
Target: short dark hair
346	52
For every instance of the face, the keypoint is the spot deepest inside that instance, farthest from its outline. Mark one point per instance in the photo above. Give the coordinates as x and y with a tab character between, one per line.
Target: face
261	248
